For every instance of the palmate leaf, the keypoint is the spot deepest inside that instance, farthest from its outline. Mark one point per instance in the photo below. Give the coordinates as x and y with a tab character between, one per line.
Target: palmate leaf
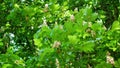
57	33
73	39
45	54
87	46
96	25
69	27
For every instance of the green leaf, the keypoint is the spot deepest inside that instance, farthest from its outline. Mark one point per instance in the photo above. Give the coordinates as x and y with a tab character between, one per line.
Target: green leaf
103	65
69	27
117	63
37	42
73	39
87	46
46	53
1	43
6	66
102	16
53	1
57	33
116	25
98	25
29	11
79	16
94	16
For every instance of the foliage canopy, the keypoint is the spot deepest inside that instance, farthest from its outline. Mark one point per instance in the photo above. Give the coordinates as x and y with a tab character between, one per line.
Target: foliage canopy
59	33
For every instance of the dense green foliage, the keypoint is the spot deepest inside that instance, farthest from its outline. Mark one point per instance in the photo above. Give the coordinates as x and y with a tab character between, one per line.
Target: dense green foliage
59	34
